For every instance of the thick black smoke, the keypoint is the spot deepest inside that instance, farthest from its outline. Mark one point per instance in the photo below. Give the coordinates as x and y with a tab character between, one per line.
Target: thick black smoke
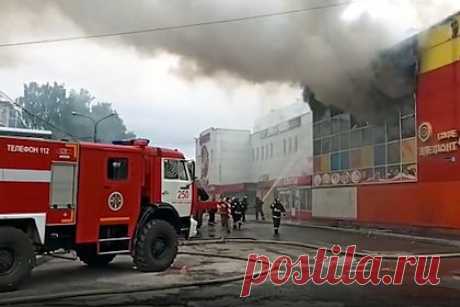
333	56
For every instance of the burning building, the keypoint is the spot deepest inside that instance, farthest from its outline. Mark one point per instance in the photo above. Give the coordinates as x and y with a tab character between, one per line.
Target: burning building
390	157
401	167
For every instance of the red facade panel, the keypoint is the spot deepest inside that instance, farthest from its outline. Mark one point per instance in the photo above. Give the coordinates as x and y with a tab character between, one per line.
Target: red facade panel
438	104
434	204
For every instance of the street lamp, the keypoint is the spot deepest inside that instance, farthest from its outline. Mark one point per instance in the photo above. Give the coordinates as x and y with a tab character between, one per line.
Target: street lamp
95	122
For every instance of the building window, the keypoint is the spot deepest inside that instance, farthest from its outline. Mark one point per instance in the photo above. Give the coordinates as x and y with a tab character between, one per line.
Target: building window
326	145
356	138
380	155
384	152
316	130
284	146
393	128
345	141
271	150
336	125
257	153
378	135
267	152
262	150
408	126
336	162
335	145
296	144
317	147
345	160
366	136
290	145
325	128
394	153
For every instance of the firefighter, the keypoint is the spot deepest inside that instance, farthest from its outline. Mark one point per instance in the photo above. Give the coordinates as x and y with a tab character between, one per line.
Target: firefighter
237	213
277	209
212	217
232	209
259	208
244	207
224	209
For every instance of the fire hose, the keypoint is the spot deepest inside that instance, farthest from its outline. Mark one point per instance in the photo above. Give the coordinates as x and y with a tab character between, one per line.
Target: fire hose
213	282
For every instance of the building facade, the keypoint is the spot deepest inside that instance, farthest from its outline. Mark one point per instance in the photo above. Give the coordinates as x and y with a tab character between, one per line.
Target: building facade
404	172
348	155
274	160
401	171
222	160
281	158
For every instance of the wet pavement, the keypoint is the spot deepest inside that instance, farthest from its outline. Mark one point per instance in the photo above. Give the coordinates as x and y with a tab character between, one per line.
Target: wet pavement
372	243
58	276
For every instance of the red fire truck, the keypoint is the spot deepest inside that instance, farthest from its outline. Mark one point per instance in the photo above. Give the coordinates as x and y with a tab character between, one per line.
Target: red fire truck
99	200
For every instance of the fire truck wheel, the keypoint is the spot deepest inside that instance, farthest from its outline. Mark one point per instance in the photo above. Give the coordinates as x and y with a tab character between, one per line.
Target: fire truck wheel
17	258
92	259
156	246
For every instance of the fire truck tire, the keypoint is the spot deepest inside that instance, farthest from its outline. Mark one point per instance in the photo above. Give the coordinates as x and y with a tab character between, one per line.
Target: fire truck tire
17	258
156	246
92	259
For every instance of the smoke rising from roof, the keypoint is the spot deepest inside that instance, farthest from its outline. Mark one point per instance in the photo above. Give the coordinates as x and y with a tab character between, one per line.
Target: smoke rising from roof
330	49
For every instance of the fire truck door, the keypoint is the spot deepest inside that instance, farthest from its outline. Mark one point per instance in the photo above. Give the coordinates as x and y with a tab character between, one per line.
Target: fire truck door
177	186
109	195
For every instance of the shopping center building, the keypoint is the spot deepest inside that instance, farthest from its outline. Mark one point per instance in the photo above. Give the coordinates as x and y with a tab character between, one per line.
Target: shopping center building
275	159
401	170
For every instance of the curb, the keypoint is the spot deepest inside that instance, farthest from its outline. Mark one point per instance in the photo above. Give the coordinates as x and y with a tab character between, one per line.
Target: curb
453	243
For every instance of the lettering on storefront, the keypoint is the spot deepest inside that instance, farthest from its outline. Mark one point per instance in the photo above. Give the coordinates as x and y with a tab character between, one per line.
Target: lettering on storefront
448	141
447	135
439	149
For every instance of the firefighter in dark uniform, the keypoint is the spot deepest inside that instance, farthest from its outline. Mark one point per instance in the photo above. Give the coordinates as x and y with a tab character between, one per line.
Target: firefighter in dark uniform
277	210
244	205
237	212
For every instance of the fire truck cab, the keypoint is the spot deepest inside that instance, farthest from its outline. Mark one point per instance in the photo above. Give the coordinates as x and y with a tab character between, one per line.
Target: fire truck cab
98	200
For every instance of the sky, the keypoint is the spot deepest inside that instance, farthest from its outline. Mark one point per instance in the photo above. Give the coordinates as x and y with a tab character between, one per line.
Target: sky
170	86
152	100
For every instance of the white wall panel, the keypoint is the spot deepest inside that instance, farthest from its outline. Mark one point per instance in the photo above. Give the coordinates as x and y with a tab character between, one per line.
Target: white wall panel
340	203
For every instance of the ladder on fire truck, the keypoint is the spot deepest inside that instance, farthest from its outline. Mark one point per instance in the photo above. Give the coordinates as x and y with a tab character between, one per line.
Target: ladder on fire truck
113	239
111	246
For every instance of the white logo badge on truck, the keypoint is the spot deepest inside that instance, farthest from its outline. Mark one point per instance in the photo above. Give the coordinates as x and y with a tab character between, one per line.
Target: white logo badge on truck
115	201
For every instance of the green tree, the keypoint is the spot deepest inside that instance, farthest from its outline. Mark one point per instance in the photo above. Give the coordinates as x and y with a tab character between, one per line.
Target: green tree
51	106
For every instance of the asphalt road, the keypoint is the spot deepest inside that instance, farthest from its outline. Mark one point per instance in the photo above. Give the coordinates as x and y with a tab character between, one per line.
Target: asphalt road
327	238
60	276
